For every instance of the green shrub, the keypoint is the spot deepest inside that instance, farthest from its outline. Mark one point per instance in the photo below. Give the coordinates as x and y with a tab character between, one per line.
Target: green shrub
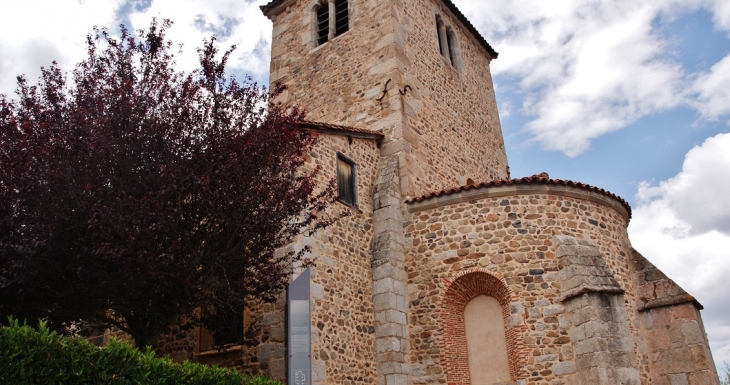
30	356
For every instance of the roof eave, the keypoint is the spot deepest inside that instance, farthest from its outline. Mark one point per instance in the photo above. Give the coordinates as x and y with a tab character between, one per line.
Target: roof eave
341	131
470	27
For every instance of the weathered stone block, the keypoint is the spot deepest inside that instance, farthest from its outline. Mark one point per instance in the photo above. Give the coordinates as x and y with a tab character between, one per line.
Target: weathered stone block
678	379
384	285
692	333
319	371
587	347
394	316
563	368
391	330
396	379
388	344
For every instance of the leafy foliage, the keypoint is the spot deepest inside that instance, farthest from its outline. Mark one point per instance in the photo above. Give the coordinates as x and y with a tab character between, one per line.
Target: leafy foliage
30	356
725	377
136	194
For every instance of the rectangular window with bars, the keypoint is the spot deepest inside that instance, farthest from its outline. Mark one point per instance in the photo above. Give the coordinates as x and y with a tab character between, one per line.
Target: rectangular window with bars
341	17
323	23
332	20
346	180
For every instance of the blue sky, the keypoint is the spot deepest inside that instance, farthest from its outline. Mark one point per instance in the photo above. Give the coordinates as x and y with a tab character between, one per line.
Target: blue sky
631	96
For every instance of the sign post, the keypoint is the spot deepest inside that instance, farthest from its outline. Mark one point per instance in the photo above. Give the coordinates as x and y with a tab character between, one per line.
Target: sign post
299	335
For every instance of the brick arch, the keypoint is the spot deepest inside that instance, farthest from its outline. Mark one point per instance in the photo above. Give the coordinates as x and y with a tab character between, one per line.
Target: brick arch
458	291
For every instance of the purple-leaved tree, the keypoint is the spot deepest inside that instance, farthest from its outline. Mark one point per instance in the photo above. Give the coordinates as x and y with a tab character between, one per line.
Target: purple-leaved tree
134	194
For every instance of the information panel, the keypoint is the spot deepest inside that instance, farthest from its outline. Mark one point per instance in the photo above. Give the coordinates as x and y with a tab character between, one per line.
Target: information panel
299	335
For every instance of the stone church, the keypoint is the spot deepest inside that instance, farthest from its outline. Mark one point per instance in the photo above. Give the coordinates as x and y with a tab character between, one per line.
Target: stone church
448	270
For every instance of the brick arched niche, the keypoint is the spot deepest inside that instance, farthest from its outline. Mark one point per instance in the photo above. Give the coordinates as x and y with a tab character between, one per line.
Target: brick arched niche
459	291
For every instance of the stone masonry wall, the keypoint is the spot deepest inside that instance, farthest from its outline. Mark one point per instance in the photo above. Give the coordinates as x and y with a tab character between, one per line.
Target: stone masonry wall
595	317
343	343
512	236
604	351
178	344
678	348
444	124
339	81
451	122
677	345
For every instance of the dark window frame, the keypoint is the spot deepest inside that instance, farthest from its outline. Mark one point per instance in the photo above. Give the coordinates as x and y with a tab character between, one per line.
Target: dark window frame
342	16
346	185
322	25
331	19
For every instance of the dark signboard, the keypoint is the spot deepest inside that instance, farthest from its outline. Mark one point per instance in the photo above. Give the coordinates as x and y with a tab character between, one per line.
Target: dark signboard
299	336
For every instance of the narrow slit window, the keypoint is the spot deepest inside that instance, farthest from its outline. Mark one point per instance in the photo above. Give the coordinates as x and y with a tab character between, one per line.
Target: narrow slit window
341	17
346	181
439	33
451	47
323	23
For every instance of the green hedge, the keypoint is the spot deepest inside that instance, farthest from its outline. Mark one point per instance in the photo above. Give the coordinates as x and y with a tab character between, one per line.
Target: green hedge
30	356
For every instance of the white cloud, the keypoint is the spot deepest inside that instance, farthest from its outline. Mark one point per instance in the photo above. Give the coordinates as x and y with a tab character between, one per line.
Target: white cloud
505	109
235	22
698	196
713	90
613	78
721	12
56	30
59	28
588	68
683	226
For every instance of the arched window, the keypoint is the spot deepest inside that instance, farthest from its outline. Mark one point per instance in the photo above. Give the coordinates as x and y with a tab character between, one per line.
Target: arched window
448	46
443	40
332	19
451	43
480	345
485	341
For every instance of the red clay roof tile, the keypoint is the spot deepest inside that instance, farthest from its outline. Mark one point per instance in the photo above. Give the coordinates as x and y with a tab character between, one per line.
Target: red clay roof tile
535	179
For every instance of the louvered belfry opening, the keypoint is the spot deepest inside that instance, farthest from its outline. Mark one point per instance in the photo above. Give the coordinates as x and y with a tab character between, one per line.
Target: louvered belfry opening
323	23
346	181
332	20
341	17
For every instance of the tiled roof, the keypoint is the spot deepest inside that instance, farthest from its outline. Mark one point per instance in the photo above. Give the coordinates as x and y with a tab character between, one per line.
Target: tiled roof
535	179
335	129
448	3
